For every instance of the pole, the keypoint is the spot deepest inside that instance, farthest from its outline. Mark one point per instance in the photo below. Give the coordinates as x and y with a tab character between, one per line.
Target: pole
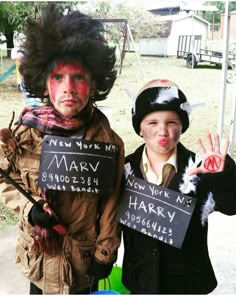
232	128
2	61
224	70
132	40
123	49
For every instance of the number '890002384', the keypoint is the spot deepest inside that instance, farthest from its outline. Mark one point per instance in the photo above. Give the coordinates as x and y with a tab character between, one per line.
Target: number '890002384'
69	179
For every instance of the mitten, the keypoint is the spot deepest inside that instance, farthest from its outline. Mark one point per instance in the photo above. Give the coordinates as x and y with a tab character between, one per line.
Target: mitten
100	270
38	216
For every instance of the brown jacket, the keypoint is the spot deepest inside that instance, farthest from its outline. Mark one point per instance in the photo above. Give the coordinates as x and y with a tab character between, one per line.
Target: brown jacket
66	272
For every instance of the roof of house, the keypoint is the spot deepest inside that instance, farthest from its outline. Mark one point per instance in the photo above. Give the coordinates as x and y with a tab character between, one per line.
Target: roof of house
198	7
178	17
182	5
167	22
154	4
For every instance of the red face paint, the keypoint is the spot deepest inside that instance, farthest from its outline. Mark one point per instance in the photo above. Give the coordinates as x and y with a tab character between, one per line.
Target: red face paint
164	80
212	163
66	76
69	86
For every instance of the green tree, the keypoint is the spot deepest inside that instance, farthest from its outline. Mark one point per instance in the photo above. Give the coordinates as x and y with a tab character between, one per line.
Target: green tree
209	16
12	18
141	22
66	6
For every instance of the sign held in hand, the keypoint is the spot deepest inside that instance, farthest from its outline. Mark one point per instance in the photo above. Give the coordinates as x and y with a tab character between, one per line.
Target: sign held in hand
71	164
156	211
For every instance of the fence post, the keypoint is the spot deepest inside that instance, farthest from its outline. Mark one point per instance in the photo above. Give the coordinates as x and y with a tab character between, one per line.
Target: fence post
2	61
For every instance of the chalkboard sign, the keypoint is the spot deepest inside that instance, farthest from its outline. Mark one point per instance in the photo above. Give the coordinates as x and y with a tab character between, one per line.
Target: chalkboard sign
156	211
71	164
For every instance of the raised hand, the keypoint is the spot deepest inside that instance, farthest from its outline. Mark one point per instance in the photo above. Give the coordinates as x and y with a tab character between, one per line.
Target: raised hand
213	160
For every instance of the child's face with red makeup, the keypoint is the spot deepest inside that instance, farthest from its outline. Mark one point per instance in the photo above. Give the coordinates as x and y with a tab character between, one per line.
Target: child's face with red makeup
69	87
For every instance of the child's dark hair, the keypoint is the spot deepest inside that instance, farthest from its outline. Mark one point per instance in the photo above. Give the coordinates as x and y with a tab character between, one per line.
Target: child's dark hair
66	38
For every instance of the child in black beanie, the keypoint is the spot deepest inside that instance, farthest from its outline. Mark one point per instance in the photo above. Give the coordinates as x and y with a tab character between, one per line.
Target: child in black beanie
151	264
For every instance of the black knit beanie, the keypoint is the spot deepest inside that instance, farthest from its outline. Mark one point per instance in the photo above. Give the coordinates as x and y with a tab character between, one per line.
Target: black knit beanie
160	95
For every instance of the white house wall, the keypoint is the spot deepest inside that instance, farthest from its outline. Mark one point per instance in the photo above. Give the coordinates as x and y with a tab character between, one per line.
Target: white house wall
186	26
153	46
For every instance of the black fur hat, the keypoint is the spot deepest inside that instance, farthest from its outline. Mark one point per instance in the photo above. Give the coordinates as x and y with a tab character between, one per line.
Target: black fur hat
157	95
66	38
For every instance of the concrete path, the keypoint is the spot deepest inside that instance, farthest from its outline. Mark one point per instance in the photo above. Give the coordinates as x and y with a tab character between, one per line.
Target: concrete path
222	248
11	279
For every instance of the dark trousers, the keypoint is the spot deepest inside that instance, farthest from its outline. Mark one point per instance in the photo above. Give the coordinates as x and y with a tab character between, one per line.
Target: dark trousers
35	290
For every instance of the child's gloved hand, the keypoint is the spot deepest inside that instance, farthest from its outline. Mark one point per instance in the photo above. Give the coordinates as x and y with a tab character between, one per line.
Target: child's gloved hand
39	215
100	270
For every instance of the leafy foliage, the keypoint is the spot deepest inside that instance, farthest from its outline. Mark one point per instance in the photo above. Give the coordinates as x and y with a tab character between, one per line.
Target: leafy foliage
12	18
13	14
141	22
7	217
221	9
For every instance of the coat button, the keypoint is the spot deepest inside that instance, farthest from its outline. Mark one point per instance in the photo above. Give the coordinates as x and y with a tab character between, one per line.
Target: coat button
154	252
87	254
104	252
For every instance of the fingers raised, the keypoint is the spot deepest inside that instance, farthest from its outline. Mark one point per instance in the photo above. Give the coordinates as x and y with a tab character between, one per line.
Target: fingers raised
209	142
226	148
201	148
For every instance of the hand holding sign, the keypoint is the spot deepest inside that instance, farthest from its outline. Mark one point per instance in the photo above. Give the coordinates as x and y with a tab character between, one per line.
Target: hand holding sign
213	160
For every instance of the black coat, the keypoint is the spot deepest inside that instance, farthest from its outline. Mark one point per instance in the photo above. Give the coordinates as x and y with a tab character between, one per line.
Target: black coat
153	267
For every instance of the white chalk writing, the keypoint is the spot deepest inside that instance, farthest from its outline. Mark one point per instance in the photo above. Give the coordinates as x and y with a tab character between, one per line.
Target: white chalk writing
148	207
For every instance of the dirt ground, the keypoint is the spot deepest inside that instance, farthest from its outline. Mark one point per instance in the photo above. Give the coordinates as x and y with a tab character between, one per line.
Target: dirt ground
201	84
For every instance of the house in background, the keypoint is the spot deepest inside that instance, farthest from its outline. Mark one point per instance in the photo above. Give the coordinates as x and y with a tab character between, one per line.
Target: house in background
178	18
232	25
177	7
173	27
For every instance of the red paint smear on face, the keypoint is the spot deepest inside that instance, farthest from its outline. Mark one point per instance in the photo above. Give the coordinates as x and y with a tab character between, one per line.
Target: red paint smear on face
164	80
67	70
212	163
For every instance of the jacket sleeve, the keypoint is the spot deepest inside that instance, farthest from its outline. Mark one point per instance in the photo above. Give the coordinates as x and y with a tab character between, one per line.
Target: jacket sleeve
24	174
223	187
9	195
109	237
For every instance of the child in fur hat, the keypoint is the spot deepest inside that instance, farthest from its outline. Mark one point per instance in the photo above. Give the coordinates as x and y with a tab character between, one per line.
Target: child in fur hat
150	266
68	240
